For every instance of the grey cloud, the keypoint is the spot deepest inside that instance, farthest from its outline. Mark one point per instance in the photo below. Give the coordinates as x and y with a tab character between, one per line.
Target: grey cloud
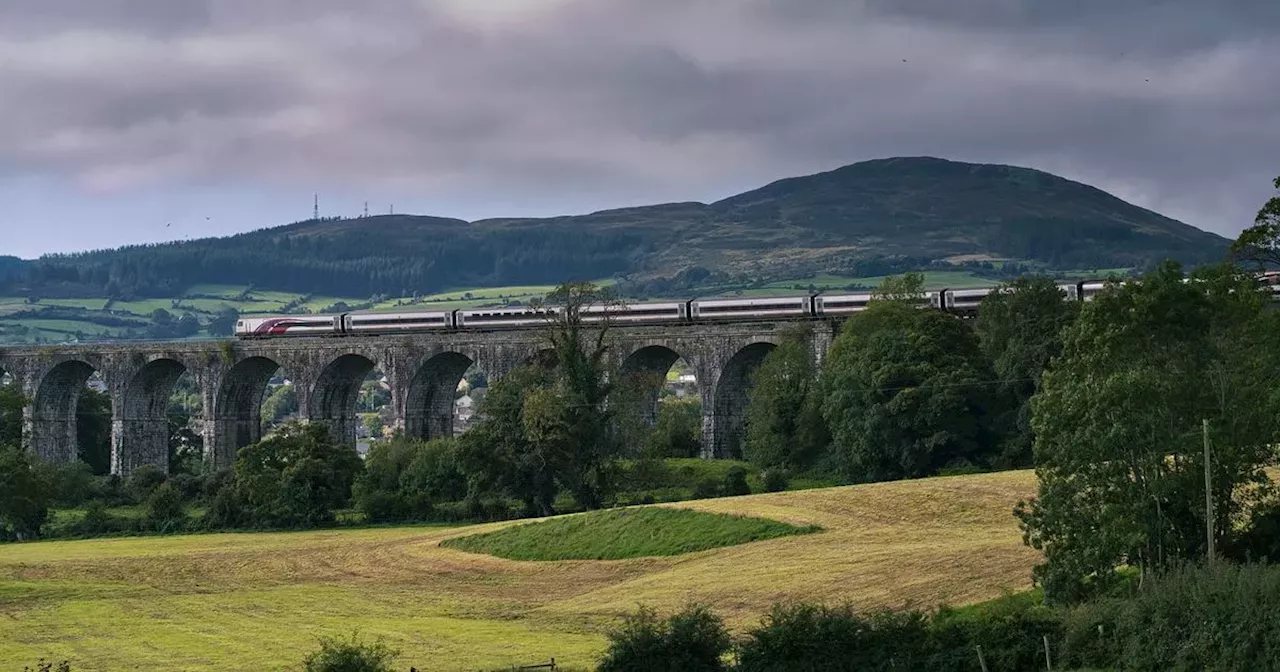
1172	104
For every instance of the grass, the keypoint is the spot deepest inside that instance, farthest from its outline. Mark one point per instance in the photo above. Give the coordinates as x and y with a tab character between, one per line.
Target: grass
259	601
619	534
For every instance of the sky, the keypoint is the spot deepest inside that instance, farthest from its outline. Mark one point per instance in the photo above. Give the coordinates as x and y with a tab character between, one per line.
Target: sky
132	121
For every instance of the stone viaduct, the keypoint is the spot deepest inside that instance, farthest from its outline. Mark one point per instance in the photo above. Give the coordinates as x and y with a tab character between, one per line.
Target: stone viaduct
422	369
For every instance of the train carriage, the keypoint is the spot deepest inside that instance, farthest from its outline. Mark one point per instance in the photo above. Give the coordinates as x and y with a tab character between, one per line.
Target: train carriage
738	309
288	325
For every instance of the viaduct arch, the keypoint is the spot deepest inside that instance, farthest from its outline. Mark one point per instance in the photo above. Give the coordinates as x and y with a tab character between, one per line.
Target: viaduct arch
423	371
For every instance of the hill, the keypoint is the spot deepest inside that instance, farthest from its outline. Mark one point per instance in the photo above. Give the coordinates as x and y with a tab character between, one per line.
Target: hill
877	216
258	601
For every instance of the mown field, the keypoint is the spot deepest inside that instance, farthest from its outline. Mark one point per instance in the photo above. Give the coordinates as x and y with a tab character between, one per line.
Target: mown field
258	601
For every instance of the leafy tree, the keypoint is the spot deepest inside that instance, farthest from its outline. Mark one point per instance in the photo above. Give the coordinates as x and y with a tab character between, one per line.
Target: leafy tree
1020	327
693	640
496	455
187	325
164	510
1117	422
12	402
224	323
24	496
678	430
404	479
280	404
785	427
93	430
297	477
1260	243
904	389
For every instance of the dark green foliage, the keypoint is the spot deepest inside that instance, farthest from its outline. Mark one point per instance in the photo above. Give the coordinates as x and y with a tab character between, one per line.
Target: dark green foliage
350	655
93	430
825	639
97	521
11	404
1260	243
615	534
904	390
48	666
69	485
1223	617
735	482
1020	328
295	478
775	480
404	479
495	454
24	496
164	510
678	430
143	481
785	427
693	640
706	488
1118	427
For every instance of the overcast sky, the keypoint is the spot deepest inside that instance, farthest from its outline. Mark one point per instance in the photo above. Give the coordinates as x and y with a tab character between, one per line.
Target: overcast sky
126	121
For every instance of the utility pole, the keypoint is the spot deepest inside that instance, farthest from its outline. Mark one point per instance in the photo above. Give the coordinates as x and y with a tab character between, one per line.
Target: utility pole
1208	492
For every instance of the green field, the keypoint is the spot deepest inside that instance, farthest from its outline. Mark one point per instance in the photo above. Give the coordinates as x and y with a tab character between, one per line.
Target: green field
623	533
259	601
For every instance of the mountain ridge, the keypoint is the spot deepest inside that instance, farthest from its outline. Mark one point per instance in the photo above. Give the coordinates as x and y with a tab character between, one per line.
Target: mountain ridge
920	209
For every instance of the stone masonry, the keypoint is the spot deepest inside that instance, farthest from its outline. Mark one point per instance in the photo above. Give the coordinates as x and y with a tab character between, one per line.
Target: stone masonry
423	371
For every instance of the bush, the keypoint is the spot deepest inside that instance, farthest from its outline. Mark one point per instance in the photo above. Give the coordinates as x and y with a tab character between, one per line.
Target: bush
404	479
1220	617
69	484
706	489
144	481
164	510
295	478
189	486
775	480
735	482
338	655
821	639
692	640
24	496
97	522
43	666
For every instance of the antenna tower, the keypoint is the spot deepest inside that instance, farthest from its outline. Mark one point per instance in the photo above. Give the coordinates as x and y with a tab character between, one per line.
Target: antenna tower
315	211
366	208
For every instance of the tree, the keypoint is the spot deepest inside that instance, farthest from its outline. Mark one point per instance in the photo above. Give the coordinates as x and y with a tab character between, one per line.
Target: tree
297	477
224	323
904	389
495	453
1020	327
24	496
93	430
1118	434
187	325
784	419
678	430
12	401
1260	243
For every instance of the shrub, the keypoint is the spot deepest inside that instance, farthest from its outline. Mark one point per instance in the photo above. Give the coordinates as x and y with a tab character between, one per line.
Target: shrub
295	478
24	496
189	486
692	640
1012	638
44	666
821	639
144	481
164	510
706	489
775	480
405	478
1220	617
96	522
339	655
735	482
69	484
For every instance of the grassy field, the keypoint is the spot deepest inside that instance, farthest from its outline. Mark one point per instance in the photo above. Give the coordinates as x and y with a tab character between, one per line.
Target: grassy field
619	534
258	601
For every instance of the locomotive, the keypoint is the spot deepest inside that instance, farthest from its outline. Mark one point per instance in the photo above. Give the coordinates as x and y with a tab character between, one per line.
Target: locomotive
959	301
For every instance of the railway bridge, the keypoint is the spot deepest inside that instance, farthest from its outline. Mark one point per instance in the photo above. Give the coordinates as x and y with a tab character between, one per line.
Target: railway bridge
422	369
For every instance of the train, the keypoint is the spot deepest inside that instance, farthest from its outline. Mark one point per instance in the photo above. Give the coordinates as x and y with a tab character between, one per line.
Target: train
814	306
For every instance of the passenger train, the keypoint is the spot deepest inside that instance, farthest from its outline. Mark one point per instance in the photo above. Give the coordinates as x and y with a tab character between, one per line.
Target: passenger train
960	301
